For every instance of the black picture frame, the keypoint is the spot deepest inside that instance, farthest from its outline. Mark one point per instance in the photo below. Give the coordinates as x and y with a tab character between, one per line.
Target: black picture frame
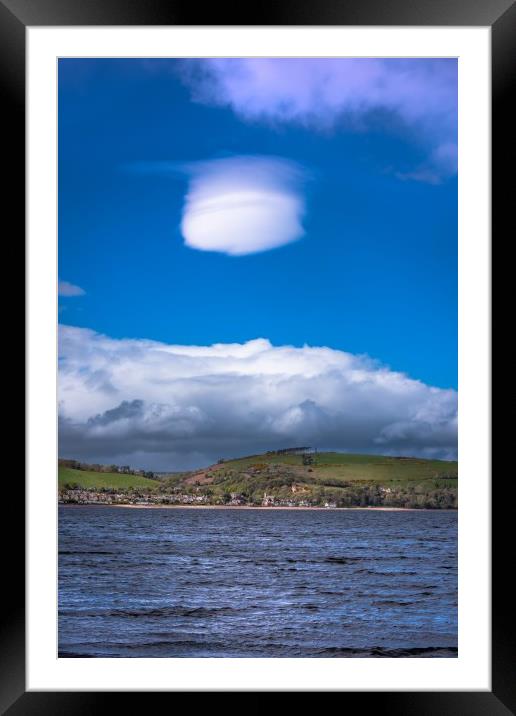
500	15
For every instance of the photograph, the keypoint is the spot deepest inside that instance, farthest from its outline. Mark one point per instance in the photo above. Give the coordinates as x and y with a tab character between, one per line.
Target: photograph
258	250
257	357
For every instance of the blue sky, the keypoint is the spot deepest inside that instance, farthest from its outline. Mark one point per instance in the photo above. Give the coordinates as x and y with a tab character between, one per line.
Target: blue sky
311	204
375	272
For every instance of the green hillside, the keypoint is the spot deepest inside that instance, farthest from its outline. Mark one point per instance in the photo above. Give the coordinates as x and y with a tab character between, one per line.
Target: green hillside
340	478
332	479
343	467
99	480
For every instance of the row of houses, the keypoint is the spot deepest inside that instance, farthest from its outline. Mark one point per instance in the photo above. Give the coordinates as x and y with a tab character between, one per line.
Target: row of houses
79	496
272	501
89	497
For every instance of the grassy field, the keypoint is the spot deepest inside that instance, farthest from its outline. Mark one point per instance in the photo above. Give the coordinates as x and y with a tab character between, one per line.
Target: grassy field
97	480
332	467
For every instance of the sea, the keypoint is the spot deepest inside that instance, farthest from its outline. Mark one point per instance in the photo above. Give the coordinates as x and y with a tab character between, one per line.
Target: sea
264	583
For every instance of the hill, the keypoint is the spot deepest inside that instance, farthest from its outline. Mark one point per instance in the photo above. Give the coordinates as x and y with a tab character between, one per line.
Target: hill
346	466
332	479
102	480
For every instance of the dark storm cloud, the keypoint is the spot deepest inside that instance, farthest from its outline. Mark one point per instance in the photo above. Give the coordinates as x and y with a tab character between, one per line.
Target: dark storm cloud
173	407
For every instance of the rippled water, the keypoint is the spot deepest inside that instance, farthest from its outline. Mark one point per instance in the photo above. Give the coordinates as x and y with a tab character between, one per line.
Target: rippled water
256	583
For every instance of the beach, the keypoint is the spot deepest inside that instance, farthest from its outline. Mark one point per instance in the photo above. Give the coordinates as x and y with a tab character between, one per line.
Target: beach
270	509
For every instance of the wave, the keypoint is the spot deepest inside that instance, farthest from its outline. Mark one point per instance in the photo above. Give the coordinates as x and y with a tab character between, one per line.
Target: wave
176	611
391	603
81	552
166	648
389	652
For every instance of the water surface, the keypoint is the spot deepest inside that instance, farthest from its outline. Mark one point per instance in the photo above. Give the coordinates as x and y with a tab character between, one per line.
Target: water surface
256	583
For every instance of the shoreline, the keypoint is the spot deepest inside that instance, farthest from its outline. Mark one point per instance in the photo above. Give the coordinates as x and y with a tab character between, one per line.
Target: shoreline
260	507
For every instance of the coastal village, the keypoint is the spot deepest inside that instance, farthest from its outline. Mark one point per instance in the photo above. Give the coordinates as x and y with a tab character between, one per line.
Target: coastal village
287	478
89	497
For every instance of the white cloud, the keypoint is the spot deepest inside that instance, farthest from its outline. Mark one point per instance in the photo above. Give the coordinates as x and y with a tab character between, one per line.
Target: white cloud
173	407
65	288
325	94
242	205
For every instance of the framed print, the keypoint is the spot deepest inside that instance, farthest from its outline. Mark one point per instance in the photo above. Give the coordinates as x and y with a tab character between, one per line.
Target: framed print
258	352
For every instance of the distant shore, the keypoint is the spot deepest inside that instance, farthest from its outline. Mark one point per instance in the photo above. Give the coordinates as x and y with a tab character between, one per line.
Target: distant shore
272	481
261	507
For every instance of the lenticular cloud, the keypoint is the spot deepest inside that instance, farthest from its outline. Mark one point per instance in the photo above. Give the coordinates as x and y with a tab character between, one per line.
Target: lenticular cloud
243	205
172	407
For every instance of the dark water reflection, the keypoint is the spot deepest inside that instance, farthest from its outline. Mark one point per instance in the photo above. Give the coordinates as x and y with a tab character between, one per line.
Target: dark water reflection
264	583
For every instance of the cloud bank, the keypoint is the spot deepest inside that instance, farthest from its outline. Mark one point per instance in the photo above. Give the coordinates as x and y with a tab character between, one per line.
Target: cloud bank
172	407
325	94
64	288
242	205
